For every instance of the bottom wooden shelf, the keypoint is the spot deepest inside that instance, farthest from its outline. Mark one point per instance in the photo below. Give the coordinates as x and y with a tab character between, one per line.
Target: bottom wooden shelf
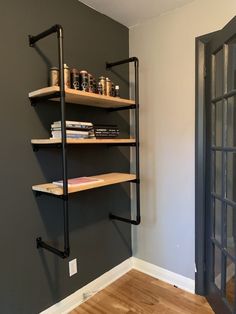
109	179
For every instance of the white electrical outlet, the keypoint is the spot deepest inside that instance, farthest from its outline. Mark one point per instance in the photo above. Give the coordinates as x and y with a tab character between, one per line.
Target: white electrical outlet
73	267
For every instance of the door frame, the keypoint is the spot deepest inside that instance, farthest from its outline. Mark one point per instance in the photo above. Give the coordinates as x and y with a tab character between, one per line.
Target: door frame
200	157
200	161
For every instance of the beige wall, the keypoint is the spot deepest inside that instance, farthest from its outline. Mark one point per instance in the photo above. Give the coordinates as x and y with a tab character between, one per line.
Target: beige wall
166	49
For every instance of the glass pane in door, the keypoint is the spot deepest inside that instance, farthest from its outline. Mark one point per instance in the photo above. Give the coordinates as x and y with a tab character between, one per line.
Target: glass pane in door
217	224
231	229
218	123
219	71
231	177
231	122
231	71
217	267
230	282
218	173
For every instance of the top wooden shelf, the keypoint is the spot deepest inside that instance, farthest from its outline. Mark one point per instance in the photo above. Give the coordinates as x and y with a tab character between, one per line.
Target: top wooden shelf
84	141
83	98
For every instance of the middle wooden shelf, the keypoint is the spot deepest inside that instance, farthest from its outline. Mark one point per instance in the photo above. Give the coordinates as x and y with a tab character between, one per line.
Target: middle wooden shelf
107	179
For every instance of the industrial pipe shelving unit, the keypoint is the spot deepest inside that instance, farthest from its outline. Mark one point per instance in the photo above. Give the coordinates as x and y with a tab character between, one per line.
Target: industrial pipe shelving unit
73	96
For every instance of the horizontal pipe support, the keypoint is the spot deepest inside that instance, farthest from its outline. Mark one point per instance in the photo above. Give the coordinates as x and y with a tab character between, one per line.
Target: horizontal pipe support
121	108
35	100
42	244
62	197
130	221
54	29
129	60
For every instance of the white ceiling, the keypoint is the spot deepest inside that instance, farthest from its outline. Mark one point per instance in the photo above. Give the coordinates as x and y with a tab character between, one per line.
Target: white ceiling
132	12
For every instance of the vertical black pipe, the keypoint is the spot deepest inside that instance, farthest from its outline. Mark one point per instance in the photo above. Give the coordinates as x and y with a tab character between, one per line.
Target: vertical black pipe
136	65
32	40
63	136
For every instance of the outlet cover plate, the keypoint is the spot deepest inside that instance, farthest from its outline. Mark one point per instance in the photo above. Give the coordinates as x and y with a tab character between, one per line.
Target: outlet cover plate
73	267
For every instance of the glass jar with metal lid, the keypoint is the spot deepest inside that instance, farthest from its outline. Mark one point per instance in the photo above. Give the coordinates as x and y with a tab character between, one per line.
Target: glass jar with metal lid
67	76
108	87
54	76
83	81
102	83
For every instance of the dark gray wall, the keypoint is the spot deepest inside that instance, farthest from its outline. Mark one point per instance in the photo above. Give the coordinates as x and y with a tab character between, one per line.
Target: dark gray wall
33	280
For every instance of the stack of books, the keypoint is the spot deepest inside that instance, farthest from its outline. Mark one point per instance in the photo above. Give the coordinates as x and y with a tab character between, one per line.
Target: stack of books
74	129
106	131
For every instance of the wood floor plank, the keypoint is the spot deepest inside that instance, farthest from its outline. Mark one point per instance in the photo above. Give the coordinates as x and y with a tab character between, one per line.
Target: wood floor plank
230	287
139	293
158	294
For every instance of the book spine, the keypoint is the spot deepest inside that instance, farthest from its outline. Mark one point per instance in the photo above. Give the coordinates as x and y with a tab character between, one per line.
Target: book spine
73	123
72	128
72	132
70	136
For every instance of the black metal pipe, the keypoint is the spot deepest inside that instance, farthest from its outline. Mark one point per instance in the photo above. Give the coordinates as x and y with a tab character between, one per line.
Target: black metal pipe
136	65
63	135
35	100
129	60
41	244
137	181
130	221
122	108
54	29
32	40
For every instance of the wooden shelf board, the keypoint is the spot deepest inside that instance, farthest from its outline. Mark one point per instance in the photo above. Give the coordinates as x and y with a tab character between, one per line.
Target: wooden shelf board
84	98
83	141
109	179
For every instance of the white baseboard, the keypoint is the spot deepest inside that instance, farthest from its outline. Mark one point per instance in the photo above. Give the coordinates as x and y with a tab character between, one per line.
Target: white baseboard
83	294
180	281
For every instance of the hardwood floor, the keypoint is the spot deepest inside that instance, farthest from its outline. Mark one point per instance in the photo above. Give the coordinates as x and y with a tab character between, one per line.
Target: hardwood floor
136	292
230	286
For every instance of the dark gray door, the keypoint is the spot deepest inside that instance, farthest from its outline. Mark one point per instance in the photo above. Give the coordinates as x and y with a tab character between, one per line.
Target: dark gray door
221	169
